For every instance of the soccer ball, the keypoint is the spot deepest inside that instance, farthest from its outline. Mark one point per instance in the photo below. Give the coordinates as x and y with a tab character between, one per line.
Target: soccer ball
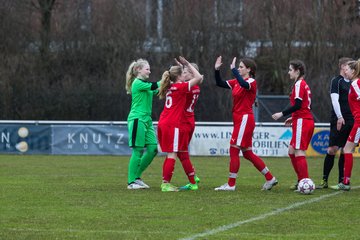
306	186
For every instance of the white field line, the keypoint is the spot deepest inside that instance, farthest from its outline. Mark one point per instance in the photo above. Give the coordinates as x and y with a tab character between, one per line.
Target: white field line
262	216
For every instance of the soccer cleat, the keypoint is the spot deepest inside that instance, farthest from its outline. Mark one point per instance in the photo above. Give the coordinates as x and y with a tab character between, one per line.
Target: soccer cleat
189	186
294	187
341	186
141	182
168	187
134	186
323	184
197	179
269	184
225	187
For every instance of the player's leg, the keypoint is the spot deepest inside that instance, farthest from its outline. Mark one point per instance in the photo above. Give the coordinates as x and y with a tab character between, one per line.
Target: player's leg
291	153
234	167
136	142
328	165
330	155
345	132
167	136
351	143
341	167
151	149
303	130
133	167
189	171
348	165
168	170
302	134
261	167
257	162
187	166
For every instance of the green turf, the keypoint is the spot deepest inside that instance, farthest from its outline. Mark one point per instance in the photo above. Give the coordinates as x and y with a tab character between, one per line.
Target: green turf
85	197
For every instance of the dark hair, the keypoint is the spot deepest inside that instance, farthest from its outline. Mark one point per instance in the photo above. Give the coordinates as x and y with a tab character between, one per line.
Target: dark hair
250	63
298	65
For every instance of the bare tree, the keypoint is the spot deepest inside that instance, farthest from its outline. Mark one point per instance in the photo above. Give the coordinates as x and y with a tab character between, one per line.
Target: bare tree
66	60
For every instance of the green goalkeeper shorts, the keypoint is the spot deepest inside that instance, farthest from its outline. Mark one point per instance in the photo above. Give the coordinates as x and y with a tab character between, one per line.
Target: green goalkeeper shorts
141	133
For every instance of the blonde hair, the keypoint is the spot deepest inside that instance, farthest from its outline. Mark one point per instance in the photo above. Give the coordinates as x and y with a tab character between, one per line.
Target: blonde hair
168	77
133	71
355	65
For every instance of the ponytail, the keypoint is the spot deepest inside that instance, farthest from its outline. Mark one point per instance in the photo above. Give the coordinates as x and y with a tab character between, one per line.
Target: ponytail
164	84
167	79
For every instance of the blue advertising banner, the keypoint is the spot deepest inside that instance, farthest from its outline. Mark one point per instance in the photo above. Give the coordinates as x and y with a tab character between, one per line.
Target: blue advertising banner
30	139
110	138
90	140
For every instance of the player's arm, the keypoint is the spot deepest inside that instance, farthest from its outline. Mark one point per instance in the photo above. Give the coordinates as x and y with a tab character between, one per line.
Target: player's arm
336	105
334	95
146	85
197	77
240	80
289	110
293	108
218	80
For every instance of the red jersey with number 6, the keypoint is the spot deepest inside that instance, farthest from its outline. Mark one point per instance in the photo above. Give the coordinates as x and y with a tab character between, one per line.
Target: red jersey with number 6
175	101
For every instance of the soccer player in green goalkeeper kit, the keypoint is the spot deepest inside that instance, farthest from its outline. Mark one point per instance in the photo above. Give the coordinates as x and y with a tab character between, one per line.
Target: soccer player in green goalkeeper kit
140	126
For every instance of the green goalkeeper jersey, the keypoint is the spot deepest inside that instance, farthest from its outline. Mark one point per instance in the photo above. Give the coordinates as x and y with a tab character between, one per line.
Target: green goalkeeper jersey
141	100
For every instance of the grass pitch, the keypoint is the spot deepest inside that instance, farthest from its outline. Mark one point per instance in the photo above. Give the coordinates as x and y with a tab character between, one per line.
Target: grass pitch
85	197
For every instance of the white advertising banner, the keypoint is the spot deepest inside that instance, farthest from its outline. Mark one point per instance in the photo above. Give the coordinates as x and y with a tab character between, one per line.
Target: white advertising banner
215	141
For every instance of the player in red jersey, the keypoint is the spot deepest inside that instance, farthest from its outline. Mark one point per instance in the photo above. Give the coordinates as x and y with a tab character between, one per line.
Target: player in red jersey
191	100
301	119
243	89
173	138
188	123
352	72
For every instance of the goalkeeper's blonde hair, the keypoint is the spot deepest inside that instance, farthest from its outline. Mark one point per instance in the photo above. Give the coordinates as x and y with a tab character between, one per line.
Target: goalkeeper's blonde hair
133	71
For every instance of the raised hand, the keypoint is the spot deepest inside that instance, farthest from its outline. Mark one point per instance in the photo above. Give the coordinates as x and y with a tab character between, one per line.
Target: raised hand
233	64
178	63
218	63
183	61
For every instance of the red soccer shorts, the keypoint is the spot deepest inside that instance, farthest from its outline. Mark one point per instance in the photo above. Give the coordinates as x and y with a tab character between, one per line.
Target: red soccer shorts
172	139
243	131
354	135
302	131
